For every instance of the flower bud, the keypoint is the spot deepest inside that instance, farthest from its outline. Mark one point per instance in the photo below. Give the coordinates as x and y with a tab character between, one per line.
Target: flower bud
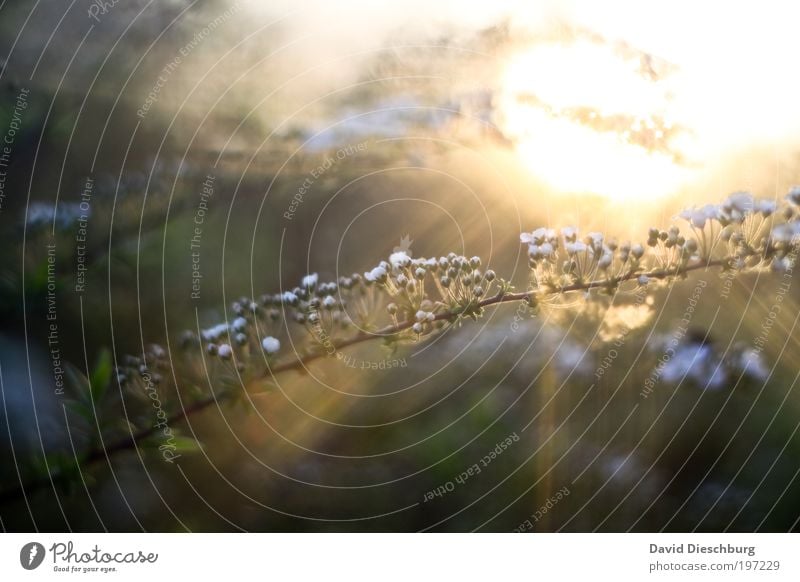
224	351
270	345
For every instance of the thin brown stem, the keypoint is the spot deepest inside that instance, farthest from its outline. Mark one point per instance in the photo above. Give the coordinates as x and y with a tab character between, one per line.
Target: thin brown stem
131	442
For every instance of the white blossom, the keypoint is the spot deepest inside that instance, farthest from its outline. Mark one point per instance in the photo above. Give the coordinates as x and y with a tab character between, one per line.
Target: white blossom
422	316
310	281
697	217
595	239
569	233
741	201
782	265
574	247
736	207
786	232
44	213
766	206
695	362
605	261
212	334
546	250
752	363
538	236
376	274
399	260
270	344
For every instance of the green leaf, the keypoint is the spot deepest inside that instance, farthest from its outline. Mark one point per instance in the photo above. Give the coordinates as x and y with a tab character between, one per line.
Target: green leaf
91	390
390	343
81	409
37	282
185	444
126	427
101	375
79	382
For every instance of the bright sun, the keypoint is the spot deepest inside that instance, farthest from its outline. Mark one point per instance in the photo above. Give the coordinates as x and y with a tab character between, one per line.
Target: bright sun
590	117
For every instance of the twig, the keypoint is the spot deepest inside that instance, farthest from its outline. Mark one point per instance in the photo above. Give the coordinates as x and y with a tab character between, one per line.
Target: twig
131	442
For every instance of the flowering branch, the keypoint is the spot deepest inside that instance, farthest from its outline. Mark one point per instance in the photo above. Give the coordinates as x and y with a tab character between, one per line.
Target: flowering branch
422	296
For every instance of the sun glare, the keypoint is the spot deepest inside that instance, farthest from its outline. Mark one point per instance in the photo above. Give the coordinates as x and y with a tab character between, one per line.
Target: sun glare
590	117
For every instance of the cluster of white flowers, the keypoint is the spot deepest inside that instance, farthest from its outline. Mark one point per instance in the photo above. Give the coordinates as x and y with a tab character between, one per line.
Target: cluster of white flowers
142	371
412	292
736	220
558	261
44	214
310	281
742	231
786	232
408	297
701	365
698	217
419	289
542	243
257	322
